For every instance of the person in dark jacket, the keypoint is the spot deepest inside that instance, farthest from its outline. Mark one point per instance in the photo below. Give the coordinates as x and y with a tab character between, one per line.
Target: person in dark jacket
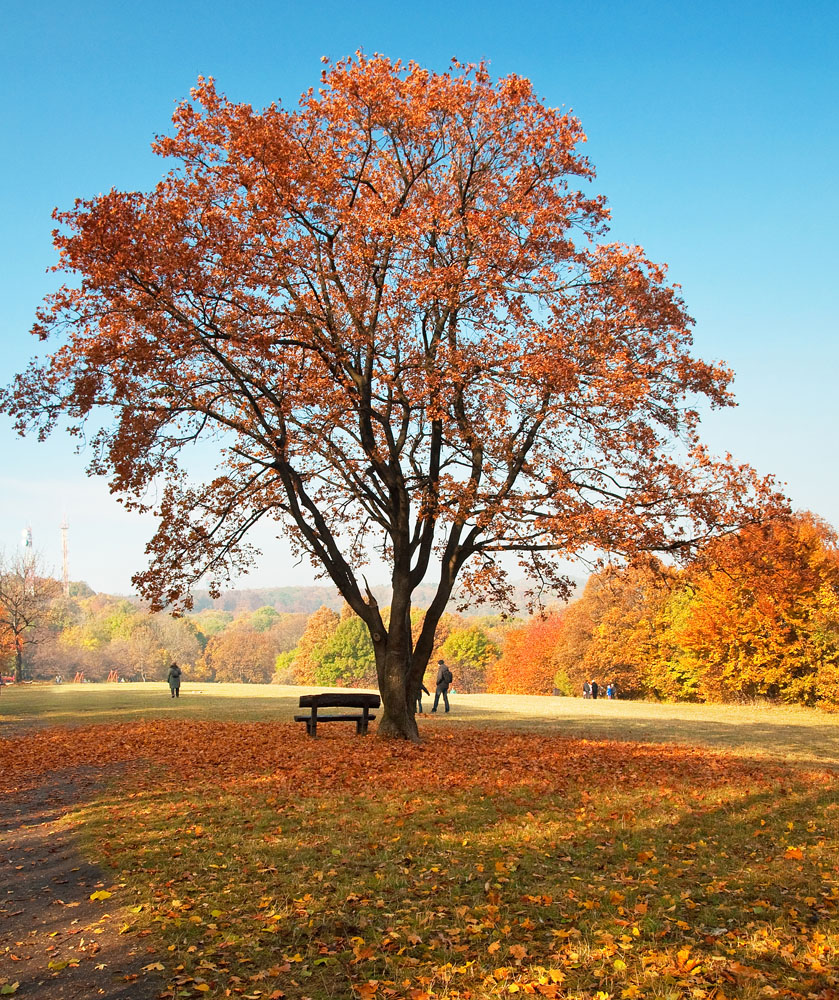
586	689
595	689
174	679
444	679
423	689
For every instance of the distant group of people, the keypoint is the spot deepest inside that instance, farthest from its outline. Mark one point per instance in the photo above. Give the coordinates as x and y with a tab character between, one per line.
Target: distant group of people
591	689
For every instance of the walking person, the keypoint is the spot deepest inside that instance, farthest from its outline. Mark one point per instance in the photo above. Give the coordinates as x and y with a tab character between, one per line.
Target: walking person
595	689
586	689
422	689
174	679
444	679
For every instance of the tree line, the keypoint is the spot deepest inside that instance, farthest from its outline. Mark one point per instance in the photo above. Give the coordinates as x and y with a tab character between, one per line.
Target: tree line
46	635
754	615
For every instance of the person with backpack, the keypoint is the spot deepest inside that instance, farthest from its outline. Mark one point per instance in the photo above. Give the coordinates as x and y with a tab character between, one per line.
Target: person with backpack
444	679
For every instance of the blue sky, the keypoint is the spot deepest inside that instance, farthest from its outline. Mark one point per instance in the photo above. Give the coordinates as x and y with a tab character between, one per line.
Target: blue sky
713	127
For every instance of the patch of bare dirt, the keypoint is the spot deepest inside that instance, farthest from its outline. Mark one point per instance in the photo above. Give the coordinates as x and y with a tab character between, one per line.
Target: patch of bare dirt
55	941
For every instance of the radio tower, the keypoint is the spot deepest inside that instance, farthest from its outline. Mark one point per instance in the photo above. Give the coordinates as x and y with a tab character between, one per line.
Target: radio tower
64	560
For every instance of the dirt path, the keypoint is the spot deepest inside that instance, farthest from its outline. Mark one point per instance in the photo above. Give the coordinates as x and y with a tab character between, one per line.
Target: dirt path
56	942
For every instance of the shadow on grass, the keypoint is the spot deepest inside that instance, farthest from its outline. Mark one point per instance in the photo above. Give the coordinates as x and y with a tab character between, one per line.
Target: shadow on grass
815	739
665	880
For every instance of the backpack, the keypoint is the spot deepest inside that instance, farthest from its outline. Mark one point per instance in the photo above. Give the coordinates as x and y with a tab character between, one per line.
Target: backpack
447	676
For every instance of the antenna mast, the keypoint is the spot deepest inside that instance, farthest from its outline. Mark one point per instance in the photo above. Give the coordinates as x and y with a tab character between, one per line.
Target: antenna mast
64	559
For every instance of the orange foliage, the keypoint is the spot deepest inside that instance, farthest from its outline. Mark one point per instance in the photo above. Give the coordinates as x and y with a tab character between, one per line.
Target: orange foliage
762	617
756	614
241	654
7	652
392	310
606	633
526	665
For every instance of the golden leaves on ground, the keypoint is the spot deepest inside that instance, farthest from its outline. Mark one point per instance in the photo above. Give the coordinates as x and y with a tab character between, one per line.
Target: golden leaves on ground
226	751
478	865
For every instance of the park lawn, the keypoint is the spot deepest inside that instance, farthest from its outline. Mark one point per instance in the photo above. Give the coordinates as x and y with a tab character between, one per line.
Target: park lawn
27	705
483	863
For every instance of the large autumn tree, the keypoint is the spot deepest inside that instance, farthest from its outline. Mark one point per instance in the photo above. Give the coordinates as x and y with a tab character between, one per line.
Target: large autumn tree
391	312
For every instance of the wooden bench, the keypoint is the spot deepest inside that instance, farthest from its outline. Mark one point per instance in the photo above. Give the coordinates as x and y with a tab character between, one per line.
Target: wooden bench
350	699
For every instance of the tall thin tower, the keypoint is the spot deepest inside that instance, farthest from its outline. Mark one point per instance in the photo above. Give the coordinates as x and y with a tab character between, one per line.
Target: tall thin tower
28	564
64	560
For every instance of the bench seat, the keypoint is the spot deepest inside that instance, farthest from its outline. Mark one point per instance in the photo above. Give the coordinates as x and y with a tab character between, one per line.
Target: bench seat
343	699
359	720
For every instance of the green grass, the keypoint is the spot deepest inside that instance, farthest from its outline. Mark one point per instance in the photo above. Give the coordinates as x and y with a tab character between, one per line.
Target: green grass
519	850
589	871
84	704
788	733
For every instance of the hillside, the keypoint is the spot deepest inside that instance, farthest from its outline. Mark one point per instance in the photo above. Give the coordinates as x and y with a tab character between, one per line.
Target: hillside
309	599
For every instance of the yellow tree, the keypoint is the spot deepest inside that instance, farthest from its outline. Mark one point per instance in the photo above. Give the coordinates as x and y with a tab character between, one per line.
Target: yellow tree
319	630
759	619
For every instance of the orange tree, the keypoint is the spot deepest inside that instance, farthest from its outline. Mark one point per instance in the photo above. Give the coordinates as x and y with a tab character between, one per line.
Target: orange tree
761	617
526	664
392	312
26	596
612	631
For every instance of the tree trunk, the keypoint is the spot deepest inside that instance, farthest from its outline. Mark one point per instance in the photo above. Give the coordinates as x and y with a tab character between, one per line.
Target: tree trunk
398	699
18	660
393	668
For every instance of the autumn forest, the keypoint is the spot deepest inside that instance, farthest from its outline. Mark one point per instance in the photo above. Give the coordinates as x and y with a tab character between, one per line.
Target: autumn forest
755	615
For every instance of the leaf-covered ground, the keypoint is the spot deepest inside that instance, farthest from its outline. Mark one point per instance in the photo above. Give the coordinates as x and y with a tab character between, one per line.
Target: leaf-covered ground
786	732
480	864
56	942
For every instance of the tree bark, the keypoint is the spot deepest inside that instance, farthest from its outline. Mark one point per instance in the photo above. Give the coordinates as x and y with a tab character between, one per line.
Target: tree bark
393	666
398	700
401	664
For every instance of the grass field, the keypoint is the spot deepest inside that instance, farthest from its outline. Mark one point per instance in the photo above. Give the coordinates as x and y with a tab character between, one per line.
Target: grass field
545	847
